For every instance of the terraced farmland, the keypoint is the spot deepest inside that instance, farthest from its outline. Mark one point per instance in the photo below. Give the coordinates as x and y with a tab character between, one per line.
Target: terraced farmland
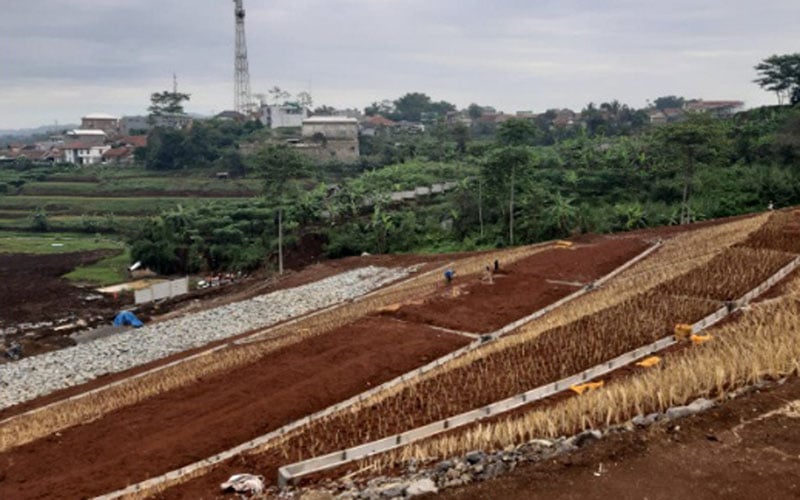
262	380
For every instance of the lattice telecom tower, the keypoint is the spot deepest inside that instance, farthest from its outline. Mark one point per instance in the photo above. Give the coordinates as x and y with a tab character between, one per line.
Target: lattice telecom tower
242	101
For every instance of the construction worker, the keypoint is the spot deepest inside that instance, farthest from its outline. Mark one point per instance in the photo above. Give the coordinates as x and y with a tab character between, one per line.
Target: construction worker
488	275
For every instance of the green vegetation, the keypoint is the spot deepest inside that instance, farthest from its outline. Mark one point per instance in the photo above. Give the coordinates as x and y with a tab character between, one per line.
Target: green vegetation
72	205
205	144
781	74
510	181
54	243
413	107
108	271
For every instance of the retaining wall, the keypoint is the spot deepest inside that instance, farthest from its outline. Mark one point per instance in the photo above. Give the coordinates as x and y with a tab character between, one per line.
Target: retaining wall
161	291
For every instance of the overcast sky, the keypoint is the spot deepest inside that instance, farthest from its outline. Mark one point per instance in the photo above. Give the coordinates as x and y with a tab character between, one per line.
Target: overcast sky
61	59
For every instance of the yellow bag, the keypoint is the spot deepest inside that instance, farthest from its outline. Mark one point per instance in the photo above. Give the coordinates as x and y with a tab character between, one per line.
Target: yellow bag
700	339
588	386
648	362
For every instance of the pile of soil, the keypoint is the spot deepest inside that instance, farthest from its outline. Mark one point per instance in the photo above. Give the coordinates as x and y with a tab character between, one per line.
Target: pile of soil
34	293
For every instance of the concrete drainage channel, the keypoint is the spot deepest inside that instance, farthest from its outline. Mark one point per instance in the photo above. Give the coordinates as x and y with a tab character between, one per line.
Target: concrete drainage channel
141	488
288	473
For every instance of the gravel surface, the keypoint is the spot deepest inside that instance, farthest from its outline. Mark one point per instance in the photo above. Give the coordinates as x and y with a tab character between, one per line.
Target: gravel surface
36	376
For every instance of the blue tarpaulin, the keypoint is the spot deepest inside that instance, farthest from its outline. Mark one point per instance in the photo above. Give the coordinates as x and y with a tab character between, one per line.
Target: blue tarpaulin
127	318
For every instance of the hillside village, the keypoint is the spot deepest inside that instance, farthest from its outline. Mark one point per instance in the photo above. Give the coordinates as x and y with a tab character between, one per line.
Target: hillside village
108	140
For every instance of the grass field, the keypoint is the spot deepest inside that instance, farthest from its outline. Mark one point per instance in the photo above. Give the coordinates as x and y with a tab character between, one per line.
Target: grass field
79	205
101	190
52	243
145	185
109	271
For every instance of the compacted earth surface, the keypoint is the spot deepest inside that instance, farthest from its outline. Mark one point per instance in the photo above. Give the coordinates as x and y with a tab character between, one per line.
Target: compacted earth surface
185	425
746	448
522	287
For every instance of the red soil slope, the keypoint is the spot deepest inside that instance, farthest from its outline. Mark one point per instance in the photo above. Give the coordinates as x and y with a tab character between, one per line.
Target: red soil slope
182	426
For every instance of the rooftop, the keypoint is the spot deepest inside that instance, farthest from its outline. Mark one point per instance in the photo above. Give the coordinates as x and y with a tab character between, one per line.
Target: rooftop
329	119
99	116
86	131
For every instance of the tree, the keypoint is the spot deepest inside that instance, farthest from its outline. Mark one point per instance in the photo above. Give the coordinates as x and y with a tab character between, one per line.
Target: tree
560	213
166	103
475	111
324	111
39	221
500	169
700	138
281	166
278	95
411	106
383	108
781	74
516	132
164	149
460	133
304	99
668	101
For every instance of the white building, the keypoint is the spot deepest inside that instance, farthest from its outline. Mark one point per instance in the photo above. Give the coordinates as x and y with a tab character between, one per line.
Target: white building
330	138
82	153
285	115
330	127
93	136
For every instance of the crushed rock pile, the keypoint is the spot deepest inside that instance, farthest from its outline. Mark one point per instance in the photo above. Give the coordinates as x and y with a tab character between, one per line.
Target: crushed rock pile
37	376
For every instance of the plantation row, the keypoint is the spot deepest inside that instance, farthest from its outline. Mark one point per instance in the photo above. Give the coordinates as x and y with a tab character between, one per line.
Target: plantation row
763	344
554	354
781	232
589	341
729	275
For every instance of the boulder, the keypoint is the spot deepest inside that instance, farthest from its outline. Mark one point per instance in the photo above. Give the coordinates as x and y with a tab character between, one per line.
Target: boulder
421	487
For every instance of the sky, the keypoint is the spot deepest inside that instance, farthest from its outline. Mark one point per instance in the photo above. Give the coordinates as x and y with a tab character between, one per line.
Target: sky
62	59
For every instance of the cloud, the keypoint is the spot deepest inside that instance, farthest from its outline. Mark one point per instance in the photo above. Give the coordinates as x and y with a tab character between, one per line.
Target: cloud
65	58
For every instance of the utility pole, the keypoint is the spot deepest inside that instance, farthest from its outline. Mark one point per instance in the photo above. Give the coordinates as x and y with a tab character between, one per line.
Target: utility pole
242	100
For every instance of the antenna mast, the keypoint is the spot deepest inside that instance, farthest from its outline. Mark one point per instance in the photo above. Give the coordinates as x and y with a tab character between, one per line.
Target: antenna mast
242	101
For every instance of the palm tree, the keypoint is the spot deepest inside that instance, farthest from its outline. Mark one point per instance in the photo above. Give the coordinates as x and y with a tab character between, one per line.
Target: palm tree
561	213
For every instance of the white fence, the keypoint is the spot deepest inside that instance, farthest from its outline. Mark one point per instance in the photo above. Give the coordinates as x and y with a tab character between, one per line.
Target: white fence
338	458
161	291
